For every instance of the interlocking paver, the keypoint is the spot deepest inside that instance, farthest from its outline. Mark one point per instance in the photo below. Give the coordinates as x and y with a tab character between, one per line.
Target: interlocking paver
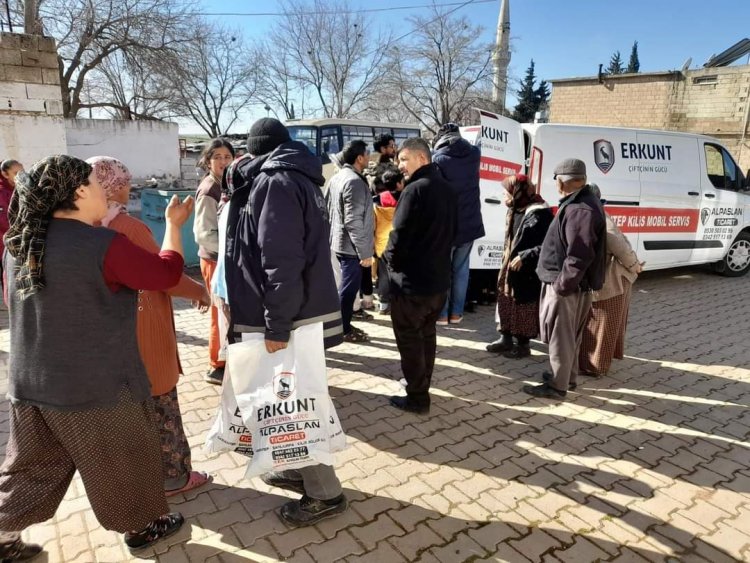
651	463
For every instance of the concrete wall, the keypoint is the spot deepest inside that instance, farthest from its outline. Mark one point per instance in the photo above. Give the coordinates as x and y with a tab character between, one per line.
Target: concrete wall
148	148
712	101
31	123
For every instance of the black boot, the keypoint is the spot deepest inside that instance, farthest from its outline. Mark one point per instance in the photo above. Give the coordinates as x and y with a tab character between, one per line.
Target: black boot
502	344
308	511
520	350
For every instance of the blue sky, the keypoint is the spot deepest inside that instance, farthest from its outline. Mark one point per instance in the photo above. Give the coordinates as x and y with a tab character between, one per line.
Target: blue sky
568	38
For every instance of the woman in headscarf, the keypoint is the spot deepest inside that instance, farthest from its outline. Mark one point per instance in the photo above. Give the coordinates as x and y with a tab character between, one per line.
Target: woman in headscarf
9	169
217	155
518	287
157	340
604	336
80	397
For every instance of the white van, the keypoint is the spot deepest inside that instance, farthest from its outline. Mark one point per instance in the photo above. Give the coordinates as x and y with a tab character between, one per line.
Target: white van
680	198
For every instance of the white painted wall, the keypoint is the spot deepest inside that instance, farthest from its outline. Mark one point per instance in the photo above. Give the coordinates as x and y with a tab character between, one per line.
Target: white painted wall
29	138
148	148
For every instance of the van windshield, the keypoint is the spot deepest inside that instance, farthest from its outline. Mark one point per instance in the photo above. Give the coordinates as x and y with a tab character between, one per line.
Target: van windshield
306	135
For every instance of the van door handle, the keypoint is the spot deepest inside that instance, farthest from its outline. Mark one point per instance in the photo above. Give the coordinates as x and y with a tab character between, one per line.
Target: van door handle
710	195
492	201
694	193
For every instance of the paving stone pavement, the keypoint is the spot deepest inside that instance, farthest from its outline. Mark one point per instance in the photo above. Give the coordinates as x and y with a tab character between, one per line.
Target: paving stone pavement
651	463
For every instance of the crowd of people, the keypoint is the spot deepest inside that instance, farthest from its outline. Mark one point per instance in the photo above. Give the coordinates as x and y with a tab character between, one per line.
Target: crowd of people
89	292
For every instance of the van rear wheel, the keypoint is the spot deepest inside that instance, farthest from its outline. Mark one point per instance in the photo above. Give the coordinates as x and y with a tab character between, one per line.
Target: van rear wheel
737	260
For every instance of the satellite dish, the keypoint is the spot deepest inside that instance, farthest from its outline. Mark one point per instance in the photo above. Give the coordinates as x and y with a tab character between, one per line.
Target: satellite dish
686	66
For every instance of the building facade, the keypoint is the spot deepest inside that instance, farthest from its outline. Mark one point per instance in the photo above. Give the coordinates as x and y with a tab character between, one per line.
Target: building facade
711	101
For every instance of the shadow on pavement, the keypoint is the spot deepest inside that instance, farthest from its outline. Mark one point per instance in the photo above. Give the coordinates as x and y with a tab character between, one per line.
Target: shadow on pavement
372	520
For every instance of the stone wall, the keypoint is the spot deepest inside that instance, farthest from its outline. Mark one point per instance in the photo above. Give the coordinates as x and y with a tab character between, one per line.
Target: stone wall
711	101
31	123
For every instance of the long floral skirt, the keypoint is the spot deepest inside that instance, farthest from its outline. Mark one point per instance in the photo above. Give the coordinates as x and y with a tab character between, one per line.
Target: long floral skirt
175	450
604	336
520	319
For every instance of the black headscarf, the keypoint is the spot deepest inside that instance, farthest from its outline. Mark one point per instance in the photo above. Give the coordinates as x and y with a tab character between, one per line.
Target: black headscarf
38	193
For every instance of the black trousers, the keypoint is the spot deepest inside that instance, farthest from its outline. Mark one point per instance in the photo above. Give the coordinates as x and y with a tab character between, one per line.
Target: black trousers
384	284
413	318
365	287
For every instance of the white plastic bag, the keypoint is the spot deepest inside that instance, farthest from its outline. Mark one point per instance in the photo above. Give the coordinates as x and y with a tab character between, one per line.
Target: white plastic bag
284	401
229	432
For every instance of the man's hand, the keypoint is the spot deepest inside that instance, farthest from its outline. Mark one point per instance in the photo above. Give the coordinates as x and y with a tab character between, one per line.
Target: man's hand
516	264
366	263
274	346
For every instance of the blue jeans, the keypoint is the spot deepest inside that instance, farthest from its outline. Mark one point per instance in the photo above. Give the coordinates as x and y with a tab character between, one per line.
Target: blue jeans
351	279
454	305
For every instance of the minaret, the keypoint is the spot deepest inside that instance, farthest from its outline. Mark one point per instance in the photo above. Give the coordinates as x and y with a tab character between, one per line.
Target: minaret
501	56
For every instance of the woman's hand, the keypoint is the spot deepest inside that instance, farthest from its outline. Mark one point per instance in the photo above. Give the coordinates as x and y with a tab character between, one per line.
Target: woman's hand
177	212
516	264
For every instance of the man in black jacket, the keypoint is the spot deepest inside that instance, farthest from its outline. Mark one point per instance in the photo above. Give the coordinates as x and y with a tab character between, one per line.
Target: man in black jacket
571	265
419	262
279	277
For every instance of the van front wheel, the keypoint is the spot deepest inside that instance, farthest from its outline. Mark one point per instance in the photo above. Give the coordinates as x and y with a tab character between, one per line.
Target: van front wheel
737	260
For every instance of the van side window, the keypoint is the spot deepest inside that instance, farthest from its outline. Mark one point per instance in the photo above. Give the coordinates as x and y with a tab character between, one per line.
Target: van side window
721	169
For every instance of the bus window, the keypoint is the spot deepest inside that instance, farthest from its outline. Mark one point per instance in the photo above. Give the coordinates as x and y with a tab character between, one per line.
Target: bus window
329	140
403	134
354	132
306	135
382	131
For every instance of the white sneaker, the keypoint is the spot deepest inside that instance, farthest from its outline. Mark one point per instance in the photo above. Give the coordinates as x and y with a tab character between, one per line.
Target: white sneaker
402	382
367	302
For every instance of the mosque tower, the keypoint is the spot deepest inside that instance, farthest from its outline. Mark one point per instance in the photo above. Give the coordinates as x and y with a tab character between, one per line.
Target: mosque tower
501	56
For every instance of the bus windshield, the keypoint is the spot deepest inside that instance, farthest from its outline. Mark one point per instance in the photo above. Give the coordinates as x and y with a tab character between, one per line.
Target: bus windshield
305	134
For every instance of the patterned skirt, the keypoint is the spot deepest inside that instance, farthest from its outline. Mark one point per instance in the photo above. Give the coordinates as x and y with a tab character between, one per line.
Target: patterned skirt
116	451
604	336
520	319
175	451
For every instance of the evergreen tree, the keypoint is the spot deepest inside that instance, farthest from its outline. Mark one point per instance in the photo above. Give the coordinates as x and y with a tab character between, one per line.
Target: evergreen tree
634	64
615	64
541	95
530	98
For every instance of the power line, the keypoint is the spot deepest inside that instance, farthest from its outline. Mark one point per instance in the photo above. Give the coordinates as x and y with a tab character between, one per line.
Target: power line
364	10
458	5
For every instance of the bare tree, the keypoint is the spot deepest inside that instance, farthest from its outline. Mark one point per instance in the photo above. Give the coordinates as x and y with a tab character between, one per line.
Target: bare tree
89	32
211	80
332	50
129	87
277	86
442	70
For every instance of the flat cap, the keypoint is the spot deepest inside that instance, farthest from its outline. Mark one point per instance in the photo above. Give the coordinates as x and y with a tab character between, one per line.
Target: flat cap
570	167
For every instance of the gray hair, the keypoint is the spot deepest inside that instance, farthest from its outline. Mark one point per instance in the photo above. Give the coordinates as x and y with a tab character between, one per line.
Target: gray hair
565	178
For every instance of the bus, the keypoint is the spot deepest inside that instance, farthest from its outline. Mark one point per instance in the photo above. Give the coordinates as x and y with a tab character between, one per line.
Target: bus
328	136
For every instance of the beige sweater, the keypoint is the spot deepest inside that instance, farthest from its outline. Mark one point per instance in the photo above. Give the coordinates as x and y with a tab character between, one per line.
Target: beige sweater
622	263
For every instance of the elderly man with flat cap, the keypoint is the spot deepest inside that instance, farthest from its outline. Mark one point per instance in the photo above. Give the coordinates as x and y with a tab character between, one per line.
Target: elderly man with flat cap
571	266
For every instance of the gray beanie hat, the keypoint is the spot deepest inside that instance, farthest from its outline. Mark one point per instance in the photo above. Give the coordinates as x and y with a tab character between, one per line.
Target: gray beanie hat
265	135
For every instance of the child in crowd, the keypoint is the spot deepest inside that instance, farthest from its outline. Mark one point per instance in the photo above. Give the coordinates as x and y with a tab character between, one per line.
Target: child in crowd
389	183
